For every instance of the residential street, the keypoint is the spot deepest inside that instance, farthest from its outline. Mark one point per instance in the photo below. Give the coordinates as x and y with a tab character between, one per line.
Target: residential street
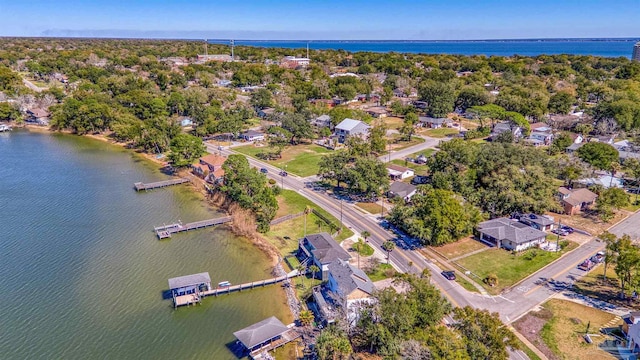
630	226
511	305
429	143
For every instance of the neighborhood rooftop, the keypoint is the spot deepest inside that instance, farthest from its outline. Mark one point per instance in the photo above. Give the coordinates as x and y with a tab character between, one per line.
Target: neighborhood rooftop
517	232
189	280
349	278
349	124
326	249
260	332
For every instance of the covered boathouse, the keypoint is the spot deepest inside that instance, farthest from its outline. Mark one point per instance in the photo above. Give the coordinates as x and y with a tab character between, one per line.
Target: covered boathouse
186	290
265	336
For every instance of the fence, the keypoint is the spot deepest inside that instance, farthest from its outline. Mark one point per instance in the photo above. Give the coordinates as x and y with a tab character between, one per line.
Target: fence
325	219
285	218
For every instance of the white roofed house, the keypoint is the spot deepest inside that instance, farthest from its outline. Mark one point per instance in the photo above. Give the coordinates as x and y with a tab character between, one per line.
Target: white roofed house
397	172
350	127
321	121
434	123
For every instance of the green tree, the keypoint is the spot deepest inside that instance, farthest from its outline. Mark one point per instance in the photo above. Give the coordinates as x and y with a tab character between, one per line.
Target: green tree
486	337
472	95
377	138
609	199
627	262
9	112
560	143
560	102
261	98
440	97
333	344
185	149
408	126
298	127
314	270
306	317
610	250
388	246
599	155
632	169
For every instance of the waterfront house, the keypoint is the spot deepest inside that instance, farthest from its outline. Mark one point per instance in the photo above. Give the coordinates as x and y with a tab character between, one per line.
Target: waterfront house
252	135
38	115
350	127
321	249
350	287
576	201
510	234
397	172
402	190
209	168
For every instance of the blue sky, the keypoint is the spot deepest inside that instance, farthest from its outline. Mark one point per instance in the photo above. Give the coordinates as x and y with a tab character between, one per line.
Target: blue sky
330	19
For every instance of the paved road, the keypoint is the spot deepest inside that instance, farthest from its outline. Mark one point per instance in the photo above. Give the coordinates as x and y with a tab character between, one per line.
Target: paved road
429	143
630	226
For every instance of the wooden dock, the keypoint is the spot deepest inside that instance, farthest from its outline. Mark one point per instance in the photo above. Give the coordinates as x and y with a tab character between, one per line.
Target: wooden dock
263	352
139	186
250	285
165	231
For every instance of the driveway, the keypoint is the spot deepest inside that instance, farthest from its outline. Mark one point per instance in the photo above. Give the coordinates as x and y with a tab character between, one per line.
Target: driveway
629	226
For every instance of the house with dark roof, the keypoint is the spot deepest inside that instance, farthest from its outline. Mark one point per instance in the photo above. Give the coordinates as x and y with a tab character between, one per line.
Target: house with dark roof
38	115
401	190
321	121
350	127
266	112
503	127
378	112
350	286
539	222
510	234
321	249
576	201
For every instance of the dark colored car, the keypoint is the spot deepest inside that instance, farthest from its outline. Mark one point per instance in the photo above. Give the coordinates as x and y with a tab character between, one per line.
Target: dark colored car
264	170
283	173
568	229
449	275
586	265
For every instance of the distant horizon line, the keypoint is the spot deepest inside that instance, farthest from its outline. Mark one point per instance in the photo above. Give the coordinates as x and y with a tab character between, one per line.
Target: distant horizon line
621	39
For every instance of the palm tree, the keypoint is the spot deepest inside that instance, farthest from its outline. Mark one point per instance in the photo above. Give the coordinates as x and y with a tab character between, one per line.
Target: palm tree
301	268
306	317
307	210
314	269
615	167
388	246
365	235
319	222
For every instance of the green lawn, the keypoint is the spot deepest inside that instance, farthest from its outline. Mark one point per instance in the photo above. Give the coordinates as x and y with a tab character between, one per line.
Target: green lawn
381	272
440	133
419	169
363	248
300	159
396	144
285	235
507	267
371	208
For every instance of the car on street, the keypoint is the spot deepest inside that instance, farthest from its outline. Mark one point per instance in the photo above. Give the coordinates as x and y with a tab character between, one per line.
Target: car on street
560	232
449	275
598	258
283	173
586	265
568	229
264	170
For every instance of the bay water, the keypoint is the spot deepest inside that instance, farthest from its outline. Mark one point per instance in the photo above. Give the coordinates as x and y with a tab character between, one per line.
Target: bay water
82	274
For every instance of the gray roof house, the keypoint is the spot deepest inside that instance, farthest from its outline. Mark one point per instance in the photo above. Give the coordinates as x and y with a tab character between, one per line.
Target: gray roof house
537	222
322	249
502	127
350	286
510	234
402	190
350	127
263	334
322	121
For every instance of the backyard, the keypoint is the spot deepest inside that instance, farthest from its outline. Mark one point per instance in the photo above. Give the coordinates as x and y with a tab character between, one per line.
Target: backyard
459	248
301	160
557	330
510	268
285	235
441	132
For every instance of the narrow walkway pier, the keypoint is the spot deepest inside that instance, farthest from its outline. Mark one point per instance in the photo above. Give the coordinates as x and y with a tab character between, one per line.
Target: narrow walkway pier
165	231
250	285
139	186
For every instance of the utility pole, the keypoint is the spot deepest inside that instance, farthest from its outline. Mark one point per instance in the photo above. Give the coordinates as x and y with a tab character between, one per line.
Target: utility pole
558	237
205	47
340	214
232	57
307	49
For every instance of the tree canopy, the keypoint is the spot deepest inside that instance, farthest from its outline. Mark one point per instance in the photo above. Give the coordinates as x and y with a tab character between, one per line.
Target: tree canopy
599	155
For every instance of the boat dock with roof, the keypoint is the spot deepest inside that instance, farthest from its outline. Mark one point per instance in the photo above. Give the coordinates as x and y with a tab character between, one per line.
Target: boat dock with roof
165	231
139	186
190	289
266	335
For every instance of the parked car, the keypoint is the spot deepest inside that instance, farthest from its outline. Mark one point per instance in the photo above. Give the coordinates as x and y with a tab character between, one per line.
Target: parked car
449	275
568	229
421	159
409	159
586	265
598	258
560	232
264	170
283	173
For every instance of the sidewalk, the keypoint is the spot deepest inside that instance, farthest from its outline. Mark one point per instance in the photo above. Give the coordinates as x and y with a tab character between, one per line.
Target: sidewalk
528	344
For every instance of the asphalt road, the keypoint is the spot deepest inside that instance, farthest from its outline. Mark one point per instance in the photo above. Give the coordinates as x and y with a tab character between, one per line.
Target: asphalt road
429	143
630	226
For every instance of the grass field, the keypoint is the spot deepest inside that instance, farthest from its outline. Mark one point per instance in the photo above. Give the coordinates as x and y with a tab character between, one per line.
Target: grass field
301	160
563	332
419	169
372	208
594	286
363	248
507	267
285	235
381	272
460	247
393	122
440	133
396	144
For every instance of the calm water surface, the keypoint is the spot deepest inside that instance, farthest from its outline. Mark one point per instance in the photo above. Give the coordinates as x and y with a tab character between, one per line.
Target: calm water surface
82	275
